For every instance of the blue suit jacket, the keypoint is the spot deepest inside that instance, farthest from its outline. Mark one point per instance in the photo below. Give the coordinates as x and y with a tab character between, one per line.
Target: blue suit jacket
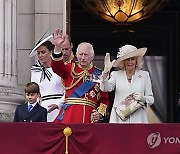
37	114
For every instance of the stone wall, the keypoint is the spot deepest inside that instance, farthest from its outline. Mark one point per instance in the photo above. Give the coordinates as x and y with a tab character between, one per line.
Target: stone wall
34	18
23	22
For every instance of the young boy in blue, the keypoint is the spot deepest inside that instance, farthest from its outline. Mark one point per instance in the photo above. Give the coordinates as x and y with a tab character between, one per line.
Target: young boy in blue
31	111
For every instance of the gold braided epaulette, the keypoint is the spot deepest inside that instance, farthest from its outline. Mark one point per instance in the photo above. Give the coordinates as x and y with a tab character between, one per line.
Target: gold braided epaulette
102	109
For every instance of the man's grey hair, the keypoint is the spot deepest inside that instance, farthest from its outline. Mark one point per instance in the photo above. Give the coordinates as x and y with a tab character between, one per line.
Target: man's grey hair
87	45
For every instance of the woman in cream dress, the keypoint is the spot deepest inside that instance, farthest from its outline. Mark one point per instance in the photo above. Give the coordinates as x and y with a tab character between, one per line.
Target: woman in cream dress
130	79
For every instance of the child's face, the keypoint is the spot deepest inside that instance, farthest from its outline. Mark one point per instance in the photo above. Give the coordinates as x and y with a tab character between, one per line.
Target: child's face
32	97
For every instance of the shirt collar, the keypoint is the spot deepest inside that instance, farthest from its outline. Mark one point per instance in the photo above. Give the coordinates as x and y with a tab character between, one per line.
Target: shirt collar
32	104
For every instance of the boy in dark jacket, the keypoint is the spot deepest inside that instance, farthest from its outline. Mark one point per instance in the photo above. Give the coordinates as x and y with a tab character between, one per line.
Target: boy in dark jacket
31	111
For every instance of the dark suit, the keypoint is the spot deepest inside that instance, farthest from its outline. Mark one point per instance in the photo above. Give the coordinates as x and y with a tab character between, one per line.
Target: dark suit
37	114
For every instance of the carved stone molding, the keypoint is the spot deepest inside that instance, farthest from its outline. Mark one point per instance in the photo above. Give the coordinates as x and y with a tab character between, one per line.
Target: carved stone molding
6	117
10	97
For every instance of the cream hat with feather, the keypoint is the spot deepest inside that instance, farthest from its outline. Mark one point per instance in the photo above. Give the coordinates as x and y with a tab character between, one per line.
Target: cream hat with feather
128	51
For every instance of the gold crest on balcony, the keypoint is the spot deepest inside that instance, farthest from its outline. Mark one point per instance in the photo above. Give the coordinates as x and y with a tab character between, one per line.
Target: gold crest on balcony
123	11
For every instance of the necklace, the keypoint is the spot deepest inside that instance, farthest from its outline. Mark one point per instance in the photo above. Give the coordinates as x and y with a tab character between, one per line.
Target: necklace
129	79
129	75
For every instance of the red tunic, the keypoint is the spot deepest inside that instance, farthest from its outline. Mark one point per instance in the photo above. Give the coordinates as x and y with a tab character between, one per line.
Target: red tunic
73	76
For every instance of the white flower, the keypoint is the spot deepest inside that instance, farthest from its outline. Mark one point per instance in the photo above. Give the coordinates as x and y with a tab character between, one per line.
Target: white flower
121	52
125	50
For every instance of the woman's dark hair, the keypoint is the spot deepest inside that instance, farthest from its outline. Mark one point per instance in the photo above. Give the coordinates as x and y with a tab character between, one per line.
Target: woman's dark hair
48	45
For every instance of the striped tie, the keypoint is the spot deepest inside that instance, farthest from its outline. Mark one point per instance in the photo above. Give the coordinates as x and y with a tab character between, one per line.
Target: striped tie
29	107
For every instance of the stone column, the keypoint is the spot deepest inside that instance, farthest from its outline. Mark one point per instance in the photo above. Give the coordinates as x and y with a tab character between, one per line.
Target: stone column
10	96
49	16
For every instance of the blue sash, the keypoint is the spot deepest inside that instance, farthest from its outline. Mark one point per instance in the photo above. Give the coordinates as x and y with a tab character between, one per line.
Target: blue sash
84	87
80	91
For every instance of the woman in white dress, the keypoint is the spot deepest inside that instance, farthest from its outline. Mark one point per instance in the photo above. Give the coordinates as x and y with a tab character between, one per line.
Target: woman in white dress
128	80
50	83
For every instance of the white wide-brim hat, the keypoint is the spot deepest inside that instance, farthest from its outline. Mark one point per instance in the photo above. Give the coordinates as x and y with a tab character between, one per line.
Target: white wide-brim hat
128	51
33	52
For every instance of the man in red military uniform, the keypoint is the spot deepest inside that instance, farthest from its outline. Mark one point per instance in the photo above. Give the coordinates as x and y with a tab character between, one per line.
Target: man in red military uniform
84	101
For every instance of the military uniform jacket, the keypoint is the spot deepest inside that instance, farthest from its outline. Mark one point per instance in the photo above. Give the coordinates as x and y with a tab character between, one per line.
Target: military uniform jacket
80	106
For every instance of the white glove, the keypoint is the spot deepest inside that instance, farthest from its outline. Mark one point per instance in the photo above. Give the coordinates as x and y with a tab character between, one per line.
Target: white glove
139	97
107	63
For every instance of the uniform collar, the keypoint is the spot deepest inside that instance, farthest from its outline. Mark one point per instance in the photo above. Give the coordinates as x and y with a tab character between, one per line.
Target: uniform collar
69	59
86	68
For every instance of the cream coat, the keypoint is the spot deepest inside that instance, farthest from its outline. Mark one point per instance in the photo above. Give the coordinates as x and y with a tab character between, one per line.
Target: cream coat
140	83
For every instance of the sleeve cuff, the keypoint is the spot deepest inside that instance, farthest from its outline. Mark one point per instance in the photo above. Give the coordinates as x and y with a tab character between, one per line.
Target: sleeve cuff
57	55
